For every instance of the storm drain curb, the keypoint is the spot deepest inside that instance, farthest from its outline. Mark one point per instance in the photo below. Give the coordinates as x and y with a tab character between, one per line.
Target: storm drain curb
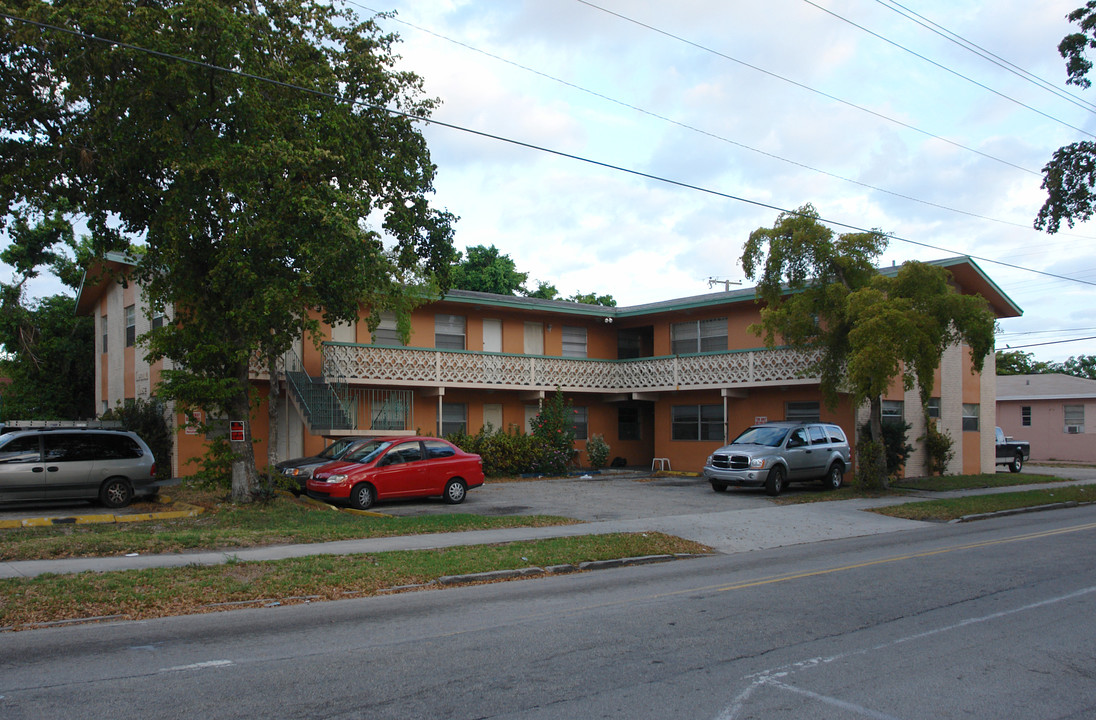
1019	511
559	569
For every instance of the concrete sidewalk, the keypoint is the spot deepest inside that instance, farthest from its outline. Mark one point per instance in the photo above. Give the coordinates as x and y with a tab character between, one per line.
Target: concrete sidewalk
729	531
732	522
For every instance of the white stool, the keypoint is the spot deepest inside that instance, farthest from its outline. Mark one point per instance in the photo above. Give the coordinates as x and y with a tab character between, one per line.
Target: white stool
662	463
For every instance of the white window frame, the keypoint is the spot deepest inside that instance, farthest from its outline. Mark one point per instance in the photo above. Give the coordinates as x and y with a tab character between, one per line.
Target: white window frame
450	332
699	336
574	341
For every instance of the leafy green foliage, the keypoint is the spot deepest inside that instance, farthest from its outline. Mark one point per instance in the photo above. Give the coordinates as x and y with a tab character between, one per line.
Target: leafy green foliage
823	294
938	447
1016	362
598	451
49	360
871	463
147	418
485	270
1070	175
593	299
260	206
896	450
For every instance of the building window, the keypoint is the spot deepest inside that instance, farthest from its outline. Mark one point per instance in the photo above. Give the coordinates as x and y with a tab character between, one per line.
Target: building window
934	407
449	332
970	417
699	336
388	331
628	424
574	342
697	422
1025	415
454	418
579	425
1075	418
103	326
157	321
802	411
894	410
131	326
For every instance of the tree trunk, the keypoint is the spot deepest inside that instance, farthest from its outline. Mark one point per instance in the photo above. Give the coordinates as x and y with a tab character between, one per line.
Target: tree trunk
245	479
273	408
876	422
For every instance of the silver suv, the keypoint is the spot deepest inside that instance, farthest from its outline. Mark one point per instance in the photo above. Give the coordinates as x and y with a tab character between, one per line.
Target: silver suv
775	454
111	466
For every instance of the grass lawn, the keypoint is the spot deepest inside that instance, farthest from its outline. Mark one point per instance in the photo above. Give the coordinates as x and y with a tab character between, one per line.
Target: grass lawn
954	508
224	526
160	592
971	482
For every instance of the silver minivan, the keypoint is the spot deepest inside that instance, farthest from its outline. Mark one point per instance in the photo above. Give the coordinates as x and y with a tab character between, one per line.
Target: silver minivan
111	466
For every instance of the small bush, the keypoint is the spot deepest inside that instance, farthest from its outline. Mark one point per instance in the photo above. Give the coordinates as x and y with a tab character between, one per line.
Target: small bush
871	464
598	451
938	447
896	449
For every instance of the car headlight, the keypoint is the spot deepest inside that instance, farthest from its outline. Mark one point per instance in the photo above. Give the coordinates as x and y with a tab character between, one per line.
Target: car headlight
758	463
336	478
709	461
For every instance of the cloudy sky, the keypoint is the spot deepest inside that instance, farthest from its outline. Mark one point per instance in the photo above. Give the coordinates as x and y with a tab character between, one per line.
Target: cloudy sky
877	119
874	118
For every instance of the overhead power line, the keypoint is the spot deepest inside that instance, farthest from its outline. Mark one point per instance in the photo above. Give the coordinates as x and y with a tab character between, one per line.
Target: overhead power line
511	141
946	69
988	55
706	133
808	88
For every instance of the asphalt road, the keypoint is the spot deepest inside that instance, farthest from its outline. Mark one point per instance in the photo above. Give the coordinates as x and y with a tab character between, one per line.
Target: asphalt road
992	619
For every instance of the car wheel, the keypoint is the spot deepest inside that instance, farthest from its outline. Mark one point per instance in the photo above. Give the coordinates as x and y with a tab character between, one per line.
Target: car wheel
455	492
718	486
1017	463
116	493
775	483
834	477
362	496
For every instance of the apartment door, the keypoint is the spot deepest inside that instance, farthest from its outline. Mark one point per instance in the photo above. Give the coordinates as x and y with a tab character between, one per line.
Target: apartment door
492	335
534	338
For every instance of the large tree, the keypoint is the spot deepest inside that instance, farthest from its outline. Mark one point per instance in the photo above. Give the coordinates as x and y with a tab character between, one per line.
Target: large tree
47	350
484	269
1070	176
822	294
182	125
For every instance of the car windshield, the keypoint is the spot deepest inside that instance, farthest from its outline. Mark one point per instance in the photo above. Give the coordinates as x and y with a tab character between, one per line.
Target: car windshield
335	450
771	436
368	452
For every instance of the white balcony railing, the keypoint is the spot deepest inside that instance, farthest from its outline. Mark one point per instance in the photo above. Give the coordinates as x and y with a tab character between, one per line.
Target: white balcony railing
369	365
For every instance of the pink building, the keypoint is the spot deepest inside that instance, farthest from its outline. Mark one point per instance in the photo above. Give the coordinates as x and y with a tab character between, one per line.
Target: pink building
1049	412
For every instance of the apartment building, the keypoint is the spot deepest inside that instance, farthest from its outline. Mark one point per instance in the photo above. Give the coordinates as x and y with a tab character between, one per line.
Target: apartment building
663	382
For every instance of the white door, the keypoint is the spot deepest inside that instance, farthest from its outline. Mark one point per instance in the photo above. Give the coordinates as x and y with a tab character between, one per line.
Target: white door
534	338
492	417
531	411
492	335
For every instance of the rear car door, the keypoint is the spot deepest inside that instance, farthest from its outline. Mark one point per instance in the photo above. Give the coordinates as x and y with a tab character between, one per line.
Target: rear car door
820	450
798	453
441	464
22	475
69	458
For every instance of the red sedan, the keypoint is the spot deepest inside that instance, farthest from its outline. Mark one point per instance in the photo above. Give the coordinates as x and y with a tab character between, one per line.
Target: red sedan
398	467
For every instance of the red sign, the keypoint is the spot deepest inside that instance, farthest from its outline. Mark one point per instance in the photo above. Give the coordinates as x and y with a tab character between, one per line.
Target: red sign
236	430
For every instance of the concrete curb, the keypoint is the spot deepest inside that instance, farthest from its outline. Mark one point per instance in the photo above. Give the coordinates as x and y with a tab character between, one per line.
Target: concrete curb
560	569
186	511
1019	511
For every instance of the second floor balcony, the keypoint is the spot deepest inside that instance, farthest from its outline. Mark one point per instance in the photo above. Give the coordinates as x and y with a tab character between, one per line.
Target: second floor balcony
427	367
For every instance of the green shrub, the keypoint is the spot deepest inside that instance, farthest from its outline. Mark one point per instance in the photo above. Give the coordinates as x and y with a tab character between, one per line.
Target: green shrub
555	424
896	449
148	419
938	447
871	463
598	452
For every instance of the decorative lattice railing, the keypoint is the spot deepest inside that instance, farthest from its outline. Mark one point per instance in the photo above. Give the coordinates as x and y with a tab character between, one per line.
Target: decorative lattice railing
371	365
